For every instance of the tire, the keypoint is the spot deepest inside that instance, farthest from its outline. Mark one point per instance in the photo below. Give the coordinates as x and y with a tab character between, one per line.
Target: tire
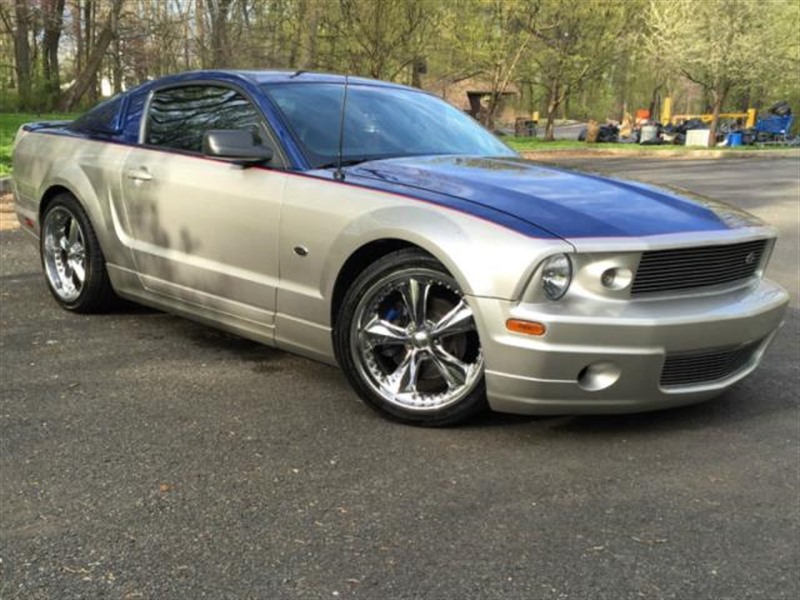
408	343
72	261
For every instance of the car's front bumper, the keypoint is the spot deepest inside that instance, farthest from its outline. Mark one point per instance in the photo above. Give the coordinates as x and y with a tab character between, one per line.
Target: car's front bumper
608	357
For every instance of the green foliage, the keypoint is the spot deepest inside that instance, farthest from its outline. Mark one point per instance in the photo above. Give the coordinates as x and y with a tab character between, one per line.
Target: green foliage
565	58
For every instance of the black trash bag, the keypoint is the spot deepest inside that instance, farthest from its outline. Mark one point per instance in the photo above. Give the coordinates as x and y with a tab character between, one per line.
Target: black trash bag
608	134
780	109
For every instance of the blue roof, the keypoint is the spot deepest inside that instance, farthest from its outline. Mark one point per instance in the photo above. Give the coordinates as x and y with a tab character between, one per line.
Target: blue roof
311	77
260	77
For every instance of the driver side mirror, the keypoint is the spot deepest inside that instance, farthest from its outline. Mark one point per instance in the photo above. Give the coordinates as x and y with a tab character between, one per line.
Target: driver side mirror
240	146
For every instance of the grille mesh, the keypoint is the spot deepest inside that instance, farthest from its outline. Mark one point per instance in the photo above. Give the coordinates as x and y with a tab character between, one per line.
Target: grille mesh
687	268
706	367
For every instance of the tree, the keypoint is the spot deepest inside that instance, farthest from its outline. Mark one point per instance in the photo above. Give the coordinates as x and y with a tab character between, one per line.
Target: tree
380	34
718	44
84	79
490	40
22	53
577	42
218	11
53	17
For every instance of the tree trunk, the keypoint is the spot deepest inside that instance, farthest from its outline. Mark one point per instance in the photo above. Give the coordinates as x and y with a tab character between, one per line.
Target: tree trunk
218	9
297	39
53	23
116	55
621	84
310	59
78	33
89	27
717	100
22	54
654	101
200	24
88	76
552	107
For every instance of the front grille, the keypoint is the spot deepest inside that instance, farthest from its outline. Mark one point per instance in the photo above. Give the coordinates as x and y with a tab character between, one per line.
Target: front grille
708	366
687	268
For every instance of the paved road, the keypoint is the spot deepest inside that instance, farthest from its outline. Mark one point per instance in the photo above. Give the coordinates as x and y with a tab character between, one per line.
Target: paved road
145	456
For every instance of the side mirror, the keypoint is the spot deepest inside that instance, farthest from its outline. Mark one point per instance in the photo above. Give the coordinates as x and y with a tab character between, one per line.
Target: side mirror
236	145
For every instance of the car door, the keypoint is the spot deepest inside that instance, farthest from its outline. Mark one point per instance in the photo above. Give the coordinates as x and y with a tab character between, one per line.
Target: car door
204	231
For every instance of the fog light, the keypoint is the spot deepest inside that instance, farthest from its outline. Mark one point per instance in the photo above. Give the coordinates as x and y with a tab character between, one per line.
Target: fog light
616	279
598	376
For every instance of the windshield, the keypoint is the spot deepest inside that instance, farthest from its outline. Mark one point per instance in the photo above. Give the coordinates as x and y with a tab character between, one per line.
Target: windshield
379	123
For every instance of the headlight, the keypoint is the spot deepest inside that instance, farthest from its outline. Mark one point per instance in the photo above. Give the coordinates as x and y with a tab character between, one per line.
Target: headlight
556	276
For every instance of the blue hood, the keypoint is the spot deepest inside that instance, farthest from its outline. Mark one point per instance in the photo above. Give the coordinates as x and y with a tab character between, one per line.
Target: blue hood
562	203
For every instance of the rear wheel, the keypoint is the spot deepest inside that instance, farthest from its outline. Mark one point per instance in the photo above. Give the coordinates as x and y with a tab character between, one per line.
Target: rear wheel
406	338
73	263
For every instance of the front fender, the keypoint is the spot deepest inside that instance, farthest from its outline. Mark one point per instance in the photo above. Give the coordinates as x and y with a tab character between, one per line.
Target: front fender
484	258
331	222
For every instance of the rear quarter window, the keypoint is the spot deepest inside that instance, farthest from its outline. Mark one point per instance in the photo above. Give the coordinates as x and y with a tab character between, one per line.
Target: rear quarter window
103	118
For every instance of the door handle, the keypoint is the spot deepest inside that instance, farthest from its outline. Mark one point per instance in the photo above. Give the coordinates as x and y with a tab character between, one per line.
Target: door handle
138	175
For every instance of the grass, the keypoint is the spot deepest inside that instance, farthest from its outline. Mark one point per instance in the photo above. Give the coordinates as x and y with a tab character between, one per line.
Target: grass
9	123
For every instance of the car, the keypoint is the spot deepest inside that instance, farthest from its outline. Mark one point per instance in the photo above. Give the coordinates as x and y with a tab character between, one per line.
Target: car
374	226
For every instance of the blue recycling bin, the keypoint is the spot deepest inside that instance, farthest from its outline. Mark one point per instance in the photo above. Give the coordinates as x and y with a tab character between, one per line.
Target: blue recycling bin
734	139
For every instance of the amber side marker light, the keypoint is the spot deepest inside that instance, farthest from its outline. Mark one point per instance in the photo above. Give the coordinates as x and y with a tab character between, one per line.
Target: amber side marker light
526	327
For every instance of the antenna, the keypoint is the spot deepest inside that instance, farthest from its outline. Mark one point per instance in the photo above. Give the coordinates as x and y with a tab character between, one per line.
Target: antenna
338	174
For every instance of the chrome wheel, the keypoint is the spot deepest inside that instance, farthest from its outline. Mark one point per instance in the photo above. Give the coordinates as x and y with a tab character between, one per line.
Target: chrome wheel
413	341
64	253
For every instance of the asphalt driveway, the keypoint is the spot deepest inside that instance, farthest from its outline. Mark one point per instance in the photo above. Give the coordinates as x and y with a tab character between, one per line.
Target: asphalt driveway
146	456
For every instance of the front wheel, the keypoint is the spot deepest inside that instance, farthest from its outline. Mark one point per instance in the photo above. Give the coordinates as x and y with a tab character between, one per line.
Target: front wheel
406	338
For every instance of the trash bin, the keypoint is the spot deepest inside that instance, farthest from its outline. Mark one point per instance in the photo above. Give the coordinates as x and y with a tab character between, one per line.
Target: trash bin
735	139
649	134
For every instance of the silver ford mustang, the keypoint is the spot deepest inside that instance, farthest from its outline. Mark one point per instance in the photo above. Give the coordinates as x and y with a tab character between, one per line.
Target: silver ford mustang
375	226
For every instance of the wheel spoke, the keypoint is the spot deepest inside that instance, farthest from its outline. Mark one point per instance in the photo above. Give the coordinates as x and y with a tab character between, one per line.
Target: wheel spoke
78	271
453	370
383	333
458	320
415	298
50	244
73	232
404	379
63	243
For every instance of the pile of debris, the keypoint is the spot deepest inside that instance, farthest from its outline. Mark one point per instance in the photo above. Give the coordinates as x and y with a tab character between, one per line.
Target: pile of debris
774	128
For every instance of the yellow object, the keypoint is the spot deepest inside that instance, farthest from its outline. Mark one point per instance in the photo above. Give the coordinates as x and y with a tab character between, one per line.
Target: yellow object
666	111
667	117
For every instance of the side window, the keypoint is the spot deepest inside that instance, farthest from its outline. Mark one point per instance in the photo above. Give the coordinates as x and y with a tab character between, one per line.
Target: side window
103	118
178	117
